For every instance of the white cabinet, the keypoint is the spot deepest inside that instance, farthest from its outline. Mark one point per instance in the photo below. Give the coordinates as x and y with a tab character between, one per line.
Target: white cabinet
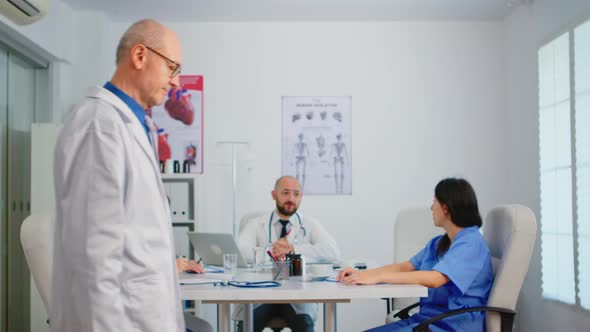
182	191
43	138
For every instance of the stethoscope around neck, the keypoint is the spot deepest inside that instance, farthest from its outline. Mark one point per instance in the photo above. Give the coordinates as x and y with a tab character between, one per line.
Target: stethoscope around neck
270	224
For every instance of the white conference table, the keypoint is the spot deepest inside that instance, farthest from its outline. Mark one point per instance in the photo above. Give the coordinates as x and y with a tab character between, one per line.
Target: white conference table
291	291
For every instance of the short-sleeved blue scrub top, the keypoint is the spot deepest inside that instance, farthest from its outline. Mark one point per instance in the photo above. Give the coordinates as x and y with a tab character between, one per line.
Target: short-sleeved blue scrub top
468	265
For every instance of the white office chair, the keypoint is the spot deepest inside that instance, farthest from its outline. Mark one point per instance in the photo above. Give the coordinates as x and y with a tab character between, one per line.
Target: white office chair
36	236
248	217
413	229
510	232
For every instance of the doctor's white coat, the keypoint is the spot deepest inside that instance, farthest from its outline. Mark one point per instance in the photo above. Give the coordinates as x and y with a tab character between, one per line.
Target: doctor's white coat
114	266
256	230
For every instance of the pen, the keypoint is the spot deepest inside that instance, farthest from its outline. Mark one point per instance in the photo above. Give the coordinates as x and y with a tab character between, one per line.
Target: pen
200	260
272	256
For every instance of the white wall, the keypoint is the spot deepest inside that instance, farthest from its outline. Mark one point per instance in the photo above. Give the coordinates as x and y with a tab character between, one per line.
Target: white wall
428	102
526	30
95	57
418	91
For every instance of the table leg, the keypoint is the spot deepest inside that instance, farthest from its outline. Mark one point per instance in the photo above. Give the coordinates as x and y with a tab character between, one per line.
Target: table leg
249	318
223	320
330	317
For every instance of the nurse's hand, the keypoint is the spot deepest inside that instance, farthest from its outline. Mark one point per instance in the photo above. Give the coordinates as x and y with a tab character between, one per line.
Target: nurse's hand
356	277
347	271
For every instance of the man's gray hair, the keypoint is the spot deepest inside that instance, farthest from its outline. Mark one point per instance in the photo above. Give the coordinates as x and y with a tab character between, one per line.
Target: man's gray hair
147	31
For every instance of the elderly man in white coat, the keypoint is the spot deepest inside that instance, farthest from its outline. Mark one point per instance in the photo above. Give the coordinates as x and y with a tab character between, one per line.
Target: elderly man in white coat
288	232
114	266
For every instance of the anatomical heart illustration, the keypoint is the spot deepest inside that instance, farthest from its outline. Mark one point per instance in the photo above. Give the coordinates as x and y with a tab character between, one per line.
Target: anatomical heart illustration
180	123
179	106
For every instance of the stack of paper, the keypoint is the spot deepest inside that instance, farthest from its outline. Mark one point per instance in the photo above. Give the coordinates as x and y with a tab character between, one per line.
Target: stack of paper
202	278
213	269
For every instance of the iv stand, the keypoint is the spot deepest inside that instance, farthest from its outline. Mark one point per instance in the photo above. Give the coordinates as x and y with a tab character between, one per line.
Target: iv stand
234	179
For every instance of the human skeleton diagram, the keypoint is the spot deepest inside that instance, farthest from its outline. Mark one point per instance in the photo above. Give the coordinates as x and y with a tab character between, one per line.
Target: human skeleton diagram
301	155
321	145
340	158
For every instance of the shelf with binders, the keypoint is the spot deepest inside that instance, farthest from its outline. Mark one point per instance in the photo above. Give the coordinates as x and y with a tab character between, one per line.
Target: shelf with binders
182	190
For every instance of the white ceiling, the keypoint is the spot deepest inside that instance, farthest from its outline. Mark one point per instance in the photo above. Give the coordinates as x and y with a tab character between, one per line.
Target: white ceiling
300	10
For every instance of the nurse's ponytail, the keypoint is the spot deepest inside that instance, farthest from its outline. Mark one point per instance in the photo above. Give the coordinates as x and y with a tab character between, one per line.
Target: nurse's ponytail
443	245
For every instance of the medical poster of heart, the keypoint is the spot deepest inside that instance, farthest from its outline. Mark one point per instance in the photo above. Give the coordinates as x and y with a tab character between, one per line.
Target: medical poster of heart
179	122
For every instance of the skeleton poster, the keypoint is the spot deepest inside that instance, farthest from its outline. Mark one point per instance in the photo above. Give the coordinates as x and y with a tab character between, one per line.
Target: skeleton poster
179	122
317	143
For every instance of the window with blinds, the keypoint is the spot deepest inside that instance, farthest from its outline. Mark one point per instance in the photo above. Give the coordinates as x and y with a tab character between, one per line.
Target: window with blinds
582	156
564	161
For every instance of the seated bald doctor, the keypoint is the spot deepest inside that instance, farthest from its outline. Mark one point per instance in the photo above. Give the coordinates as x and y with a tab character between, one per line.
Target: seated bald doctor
288	232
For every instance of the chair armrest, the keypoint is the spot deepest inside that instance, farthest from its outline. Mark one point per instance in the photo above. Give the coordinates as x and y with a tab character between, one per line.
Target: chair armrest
388	304
506	315
405	312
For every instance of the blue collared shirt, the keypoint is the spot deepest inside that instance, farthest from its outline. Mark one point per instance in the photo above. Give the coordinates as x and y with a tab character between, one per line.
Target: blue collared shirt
133	105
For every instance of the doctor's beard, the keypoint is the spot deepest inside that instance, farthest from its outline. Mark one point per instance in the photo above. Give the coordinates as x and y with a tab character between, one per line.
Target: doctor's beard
284	210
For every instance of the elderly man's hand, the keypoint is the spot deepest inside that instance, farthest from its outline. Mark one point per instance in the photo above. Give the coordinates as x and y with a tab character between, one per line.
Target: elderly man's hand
193	266
183	264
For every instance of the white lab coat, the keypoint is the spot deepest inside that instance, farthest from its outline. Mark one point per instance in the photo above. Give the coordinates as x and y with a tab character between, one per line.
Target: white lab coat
114	265
315	243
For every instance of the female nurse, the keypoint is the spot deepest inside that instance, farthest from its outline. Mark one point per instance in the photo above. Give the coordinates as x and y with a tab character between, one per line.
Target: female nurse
456	267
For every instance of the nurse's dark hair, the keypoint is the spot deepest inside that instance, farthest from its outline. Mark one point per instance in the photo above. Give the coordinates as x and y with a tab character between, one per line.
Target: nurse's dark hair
458	197
147	31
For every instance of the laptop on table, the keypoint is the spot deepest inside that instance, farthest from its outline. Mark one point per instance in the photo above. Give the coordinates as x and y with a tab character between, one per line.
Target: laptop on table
212	246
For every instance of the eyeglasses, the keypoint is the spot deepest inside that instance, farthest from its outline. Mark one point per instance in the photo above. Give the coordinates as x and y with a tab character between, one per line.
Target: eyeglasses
175	69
